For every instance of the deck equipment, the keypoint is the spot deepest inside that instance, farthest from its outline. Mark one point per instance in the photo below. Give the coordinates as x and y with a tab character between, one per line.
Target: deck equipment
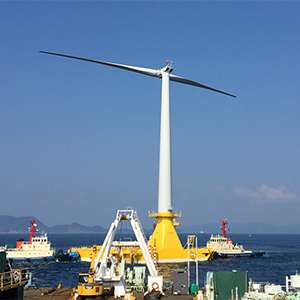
106	271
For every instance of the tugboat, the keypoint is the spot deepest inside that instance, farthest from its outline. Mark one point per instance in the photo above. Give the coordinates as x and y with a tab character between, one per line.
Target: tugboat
224	248
37	249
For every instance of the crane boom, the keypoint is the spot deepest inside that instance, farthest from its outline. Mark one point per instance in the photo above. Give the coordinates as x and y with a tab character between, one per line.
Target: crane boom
99	272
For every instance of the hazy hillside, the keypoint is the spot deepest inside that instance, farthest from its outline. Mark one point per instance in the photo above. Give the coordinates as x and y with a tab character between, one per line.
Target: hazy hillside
10	224
250	228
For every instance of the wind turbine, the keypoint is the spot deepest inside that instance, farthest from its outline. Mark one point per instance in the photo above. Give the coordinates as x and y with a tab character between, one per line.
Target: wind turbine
165	210
164	187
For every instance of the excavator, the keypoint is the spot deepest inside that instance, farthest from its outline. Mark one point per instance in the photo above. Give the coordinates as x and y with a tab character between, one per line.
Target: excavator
106	272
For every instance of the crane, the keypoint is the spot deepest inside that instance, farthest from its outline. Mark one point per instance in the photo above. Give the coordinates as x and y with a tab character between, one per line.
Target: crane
104	268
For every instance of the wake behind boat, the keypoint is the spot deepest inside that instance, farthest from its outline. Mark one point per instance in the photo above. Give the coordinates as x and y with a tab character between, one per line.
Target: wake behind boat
38	248
224	248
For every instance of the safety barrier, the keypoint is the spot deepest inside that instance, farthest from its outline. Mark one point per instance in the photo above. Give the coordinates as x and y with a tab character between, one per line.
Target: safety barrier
13	278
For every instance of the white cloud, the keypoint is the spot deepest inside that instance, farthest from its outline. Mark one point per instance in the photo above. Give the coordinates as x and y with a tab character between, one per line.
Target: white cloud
280	194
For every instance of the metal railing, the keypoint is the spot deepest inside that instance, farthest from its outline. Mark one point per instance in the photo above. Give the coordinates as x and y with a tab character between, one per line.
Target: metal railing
13	278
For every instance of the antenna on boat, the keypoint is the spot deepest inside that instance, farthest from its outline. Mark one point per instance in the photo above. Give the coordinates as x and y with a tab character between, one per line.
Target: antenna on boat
32	230
223	227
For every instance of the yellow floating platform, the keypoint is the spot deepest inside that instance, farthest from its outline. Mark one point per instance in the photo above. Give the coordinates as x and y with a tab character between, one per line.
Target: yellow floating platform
164	245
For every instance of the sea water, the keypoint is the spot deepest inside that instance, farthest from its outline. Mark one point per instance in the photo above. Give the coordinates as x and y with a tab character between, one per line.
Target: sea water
282	259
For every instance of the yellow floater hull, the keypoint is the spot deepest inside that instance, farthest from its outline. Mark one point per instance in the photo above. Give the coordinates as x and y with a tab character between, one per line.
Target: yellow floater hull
164	244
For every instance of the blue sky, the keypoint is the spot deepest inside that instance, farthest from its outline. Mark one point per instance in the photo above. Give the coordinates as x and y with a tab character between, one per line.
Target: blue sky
81	140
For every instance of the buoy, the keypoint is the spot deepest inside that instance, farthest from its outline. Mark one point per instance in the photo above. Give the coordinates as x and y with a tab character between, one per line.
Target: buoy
155	286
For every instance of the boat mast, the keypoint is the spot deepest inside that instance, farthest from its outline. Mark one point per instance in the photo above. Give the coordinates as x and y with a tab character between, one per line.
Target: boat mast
32	230
224	222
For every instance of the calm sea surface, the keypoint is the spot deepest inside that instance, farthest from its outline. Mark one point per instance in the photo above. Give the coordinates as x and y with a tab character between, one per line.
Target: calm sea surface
282	258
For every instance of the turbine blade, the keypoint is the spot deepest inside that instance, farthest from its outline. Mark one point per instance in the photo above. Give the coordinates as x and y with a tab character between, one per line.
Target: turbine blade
145	71
190	82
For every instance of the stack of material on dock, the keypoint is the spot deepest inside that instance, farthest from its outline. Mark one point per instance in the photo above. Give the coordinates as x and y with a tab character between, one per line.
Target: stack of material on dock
55	294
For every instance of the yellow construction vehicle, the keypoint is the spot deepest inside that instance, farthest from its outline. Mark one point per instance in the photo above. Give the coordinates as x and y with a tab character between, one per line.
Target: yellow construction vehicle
87	286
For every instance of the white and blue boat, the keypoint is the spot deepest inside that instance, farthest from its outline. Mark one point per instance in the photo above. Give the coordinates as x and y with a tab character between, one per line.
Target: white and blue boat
224	248
38	248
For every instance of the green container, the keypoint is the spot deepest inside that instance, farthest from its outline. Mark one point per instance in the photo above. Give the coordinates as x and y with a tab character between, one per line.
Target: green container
2	261
193	289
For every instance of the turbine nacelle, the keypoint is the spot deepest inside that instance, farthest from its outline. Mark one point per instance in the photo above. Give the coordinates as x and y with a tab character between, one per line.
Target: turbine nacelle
168	68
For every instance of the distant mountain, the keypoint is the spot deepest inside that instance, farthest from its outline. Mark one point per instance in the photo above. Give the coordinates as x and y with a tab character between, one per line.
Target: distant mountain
76	228
10	224
250	228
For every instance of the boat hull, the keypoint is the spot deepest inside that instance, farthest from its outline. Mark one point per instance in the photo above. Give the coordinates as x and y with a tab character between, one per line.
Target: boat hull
30	259
238	255
31	252
233	255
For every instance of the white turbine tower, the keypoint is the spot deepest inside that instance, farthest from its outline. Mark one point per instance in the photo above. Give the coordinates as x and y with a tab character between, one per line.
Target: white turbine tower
164	238
165	182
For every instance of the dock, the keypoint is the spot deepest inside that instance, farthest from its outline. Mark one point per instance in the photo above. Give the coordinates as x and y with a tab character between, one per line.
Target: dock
66	294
